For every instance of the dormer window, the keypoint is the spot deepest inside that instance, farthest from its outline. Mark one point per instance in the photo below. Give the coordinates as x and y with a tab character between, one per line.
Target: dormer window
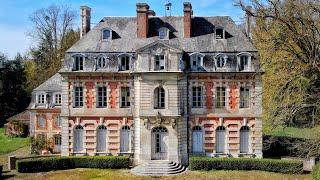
221	60
163	33
159	62
102	62
219	33
244	61
196	61
41	98
124	62
106	34
78	63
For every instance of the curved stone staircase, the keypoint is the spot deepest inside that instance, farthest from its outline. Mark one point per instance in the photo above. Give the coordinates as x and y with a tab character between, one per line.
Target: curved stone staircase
158	168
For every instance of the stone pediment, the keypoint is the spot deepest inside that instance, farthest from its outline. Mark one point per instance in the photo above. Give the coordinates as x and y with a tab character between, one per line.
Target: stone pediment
158	47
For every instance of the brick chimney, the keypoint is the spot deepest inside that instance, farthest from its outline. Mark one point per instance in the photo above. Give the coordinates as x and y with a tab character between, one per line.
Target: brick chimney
85	20
143	13
248	22
187	9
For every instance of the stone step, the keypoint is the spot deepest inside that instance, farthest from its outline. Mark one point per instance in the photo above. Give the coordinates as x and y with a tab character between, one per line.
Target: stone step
159	168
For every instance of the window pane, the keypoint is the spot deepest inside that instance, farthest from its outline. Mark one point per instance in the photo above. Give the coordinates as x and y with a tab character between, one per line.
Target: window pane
106	34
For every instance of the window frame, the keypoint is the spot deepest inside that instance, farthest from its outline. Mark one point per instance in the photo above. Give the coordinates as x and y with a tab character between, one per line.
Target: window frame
220	129
55	98
110	34
104	97
159	98
158	58
197	97
222	98
57	139
239	61
41	121
126	98
223	33
78	98
245	97
244	148
105	138
224	57
81	144
58	121
123	129
98	62
165	32
43	98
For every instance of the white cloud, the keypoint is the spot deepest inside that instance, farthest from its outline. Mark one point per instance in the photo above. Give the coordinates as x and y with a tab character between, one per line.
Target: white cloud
13	40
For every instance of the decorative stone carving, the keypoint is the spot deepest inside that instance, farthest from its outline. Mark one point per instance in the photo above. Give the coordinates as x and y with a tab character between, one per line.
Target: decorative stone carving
173	123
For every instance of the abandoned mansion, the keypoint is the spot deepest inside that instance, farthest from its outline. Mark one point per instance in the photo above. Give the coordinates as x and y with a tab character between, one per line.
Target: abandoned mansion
154	88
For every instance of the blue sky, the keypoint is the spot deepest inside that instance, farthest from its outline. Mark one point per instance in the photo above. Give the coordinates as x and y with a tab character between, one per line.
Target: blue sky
14	15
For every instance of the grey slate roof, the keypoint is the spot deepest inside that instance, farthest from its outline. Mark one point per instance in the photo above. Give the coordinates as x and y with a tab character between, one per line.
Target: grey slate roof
202	40
52	84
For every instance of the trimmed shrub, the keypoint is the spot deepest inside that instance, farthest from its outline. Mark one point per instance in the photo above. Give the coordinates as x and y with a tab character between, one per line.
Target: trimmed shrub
61	163
271	165
316	172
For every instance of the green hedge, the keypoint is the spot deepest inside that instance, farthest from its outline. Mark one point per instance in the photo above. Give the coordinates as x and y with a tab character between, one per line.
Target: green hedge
271	165
61	163
316	172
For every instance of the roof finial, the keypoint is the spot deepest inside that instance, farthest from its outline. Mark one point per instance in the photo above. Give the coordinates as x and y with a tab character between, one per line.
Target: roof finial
167	7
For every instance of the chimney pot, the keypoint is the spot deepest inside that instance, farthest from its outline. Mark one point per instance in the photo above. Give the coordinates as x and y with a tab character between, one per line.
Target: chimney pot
85	20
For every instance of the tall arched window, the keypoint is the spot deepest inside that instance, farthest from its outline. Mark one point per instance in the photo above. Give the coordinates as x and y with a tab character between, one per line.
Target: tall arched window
159	98
244	139
125	139
197	139
102	143
220	139
78	139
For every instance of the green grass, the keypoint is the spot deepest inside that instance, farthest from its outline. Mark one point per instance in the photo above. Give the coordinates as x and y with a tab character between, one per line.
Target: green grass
97	174
294	132
8	144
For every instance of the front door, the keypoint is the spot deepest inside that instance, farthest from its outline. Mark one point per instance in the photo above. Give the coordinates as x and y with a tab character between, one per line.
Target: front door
159	143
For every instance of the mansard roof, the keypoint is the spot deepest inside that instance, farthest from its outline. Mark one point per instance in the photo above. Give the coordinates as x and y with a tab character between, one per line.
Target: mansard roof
124	37
52	84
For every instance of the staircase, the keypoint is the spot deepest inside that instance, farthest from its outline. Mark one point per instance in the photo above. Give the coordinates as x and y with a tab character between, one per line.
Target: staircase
158	168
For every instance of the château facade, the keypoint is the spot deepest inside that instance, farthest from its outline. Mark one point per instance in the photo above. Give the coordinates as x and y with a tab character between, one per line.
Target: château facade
155	88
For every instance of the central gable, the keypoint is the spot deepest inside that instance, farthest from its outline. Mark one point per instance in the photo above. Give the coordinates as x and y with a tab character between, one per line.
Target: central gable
158	47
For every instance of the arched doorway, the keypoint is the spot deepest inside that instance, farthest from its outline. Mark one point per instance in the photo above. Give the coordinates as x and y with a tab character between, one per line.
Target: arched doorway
197	140
159	143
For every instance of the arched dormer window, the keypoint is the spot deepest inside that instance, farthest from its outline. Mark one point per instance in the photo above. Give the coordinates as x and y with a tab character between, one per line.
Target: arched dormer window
221	60
219	33
106	34
196	61
163	33
102	62
78	62
124	61
244	61
41	98
159	98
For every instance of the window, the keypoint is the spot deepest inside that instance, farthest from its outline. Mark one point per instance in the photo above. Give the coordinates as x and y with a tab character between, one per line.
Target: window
244	97
58	121
78	63
57	99
102	97
244	139
125	63
159	98
196	61
57	139
78	139
163	33
220	61
78	97
220	139
41	98
197	139
244	63
159	62
125	139
196	97
102	62
125	97
106	34
219	33
102	139
41	121
221	97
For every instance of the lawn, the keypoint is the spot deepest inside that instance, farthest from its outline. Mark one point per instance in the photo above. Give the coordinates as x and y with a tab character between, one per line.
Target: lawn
96	174
8	145
294	132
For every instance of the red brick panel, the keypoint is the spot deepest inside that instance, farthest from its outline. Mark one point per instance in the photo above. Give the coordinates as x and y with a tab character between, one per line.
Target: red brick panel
113	94
209	94
233	95
90	95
